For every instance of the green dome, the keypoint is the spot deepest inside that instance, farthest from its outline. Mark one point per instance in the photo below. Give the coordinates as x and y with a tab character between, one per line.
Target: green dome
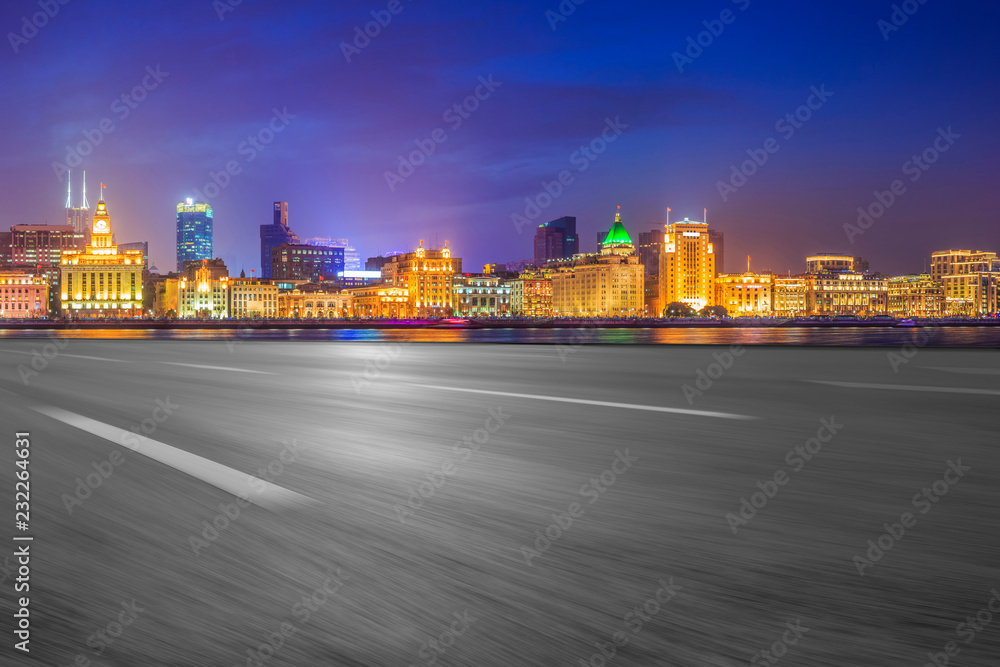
617	234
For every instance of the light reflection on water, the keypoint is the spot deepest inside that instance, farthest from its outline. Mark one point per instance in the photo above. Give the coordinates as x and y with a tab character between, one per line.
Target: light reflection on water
887	336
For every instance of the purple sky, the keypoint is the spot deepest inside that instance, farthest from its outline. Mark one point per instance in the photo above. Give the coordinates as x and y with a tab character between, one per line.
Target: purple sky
557	88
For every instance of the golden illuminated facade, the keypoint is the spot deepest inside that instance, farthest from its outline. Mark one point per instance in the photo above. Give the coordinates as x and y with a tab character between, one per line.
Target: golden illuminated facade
745	294
531	296
100	281
970	279
204	292
314	304
915	296
789	298
857	294
23	295
481	296
252	297
428	277
380	301
687	266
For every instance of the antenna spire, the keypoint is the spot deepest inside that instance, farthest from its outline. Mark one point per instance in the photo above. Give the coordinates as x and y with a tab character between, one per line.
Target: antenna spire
85	204
69	188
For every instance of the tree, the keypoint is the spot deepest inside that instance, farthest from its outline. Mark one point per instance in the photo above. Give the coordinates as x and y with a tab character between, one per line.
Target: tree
678	309
713	311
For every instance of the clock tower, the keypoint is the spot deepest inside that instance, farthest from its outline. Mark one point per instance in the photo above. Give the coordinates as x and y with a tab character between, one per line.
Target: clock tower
100	234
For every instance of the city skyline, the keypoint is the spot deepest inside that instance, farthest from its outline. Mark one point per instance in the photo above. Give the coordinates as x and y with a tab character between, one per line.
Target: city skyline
324	132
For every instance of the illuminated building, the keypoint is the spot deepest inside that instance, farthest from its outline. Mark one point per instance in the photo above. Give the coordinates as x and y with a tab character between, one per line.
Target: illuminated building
556	239
789	298
687	266
606	285
23	295
649	247
100	281
360	278
194	232
78	217
481	296
314	302
846	293
745	294
203	291
160	295
306	262
915	296
273	235
832	262
38	249
427	275
970	280
352	258
531	296
718	241
252	297
380	301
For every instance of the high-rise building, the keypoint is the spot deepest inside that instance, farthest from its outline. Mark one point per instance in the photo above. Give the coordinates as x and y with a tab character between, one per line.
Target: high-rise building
687	266
306	262
609	284
194	232
38	249
100	281
78	217
273	235
650	245
971	280
428	276
718	241
556	239
352	258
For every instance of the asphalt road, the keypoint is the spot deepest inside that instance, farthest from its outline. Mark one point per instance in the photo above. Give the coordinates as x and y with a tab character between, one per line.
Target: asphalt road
355	432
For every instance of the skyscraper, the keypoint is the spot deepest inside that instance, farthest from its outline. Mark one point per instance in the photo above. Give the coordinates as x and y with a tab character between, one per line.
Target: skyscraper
78	216
556	240
273	235
194	232
352	258
687	266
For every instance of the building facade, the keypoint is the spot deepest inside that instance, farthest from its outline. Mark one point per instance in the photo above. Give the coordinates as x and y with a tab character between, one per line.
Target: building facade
745	294
101	282
203	291
482	296
306	262
531	296
428	275
352	258
687	266
649	248
23	296
556	239
194	232
846	294
314	302
252	297
832	262
789	298
916	296
970	281
273	235
380	302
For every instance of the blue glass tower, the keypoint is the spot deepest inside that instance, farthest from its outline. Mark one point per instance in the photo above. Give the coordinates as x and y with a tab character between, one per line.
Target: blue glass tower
194	232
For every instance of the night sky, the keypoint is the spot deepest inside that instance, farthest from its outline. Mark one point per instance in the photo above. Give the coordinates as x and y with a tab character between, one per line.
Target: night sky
557	88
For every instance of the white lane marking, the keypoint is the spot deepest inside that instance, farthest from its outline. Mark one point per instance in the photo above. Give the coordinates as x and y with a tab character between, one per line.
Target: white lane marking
583	401
215	368
228	479
966	371
903	387
76	356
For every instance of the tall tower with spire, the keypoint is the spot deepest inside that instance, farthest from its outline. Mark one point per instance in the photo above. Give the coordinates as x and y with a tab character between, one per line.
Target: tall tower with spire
78	216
